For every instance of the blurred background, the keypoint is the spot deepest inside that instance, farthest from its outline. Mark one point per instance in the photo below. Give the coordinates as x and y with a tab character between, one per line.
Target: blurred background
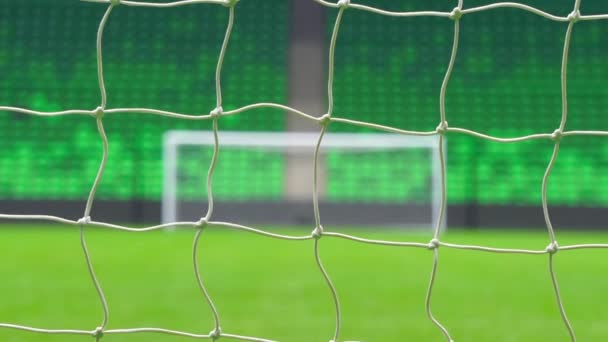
388	71
506	83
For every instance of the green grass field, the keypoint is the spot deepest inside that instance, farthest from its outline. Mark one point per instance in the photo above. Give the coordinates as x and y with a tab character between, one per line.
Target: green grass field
273	289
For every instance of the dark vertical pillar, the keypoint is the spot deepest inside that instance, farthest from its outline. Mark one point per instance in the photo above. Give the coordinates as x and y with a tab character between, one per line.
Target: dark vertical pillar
307	90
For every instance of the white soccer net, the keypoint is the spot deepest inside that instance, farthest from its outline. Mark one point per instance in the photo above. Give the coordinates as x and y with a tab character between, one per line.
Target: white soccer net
318	232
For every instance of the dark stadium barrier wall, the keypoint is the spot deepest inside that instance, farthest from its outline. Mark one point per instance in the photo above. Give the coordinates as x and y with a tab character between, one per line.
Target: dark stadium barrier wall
301	214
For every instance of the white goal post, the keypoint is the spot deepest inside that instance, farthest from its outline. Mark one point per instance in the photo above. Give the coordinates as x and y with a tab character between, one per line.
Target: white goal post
299	143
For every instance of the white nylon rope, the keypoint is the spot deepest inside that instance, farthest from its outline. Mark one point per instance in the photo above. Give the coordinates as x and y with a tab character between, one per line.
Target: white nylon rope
215	115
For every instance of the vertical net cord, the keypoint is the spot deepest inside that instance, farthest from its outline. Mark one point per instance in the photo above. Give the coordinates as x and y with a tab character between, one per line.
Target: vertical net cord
98	333
441	130
217	112
434	246
557	135
324	121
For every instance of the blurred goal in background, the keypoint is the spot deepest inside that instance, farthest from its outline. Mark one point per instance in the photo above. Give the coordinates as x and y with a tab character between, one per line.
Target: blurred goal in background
368	179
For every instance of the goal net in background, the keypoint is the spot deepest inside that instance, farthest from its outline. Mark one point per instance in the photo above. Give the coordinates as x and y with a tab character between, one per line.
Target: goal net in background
366	179
217	114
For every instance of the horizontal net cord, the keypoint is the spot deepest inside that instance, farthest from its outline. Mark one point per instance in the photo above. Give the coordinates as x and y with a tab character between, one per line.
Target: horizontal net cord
456	14
258	231
513	5
321	120
126	331
159	4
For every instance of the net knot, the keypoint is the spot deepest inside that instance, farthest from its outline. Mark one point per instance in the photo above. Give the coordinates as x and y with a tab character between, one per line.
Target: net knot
434	244
552	248
343	3
114	2
217	112
99	112
574	16
84	220
231	3
557	135
98	333
442	128
456	13
202	223
215	334
325	120
317	232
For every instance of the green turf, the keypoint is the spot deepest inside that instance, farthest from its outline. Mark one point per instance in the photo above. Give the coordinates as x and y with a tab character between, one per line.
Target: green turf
271	288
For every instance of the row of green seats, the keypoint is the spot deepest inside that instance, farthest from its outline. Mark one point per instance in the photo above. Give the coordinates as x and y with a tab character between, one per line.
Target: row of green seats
506	82
154	58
